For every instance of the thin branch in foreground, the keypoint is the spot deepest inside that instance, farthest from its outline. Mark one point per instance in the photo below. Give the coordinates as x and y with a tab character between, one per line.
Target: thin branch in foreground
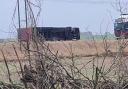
6	64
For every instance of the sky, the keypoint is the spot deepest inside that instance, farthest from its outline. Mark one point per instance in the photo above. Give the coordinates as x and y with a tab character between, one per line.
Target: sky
96	16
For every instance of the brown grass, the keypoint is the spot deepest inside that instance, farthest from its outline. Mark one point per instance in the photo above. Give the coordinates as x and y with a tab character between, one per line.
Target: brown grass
86	58
64	48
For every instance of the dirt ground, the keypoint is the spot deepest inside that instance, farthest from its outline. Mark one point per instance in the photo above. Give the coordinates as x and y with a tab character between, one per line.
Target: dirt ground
64	48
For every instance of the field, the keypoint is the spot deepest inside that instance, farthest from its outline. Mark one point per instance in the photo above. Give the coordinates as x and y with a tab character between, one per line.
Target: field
64	48
84	56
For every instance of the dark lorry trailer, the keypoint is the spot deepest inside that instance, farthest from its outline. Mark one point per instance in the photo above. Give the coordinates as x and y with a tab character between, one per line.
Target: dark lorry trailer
49	33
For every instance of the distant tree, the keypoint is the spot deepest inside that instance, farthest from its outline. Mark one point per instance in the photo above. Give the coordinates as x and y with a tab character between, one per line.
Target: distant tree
107	33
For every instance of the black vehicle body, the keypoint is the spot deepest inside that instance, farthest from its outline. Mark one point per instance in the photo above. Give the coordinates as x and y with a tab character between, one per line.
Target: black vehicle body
54	33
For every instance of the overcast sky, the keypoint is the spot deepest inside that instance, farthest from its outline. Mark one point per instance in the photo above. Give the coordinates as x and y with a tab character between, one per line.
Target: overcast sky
89	15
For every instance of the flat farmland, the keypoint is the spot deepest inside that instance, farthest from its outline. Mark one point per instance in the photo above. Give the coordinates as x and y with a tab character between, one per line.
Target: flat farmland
83	64
64	48
84	52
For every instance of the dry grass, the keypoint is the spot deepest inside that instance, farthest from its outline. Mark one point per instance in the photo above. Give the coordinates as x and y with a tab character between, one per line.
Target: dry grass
80	60
79	48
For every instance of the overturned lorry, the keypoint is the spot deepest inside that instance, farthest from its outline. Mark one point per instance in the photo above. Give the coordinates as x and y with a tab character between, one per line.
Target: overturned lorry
49	33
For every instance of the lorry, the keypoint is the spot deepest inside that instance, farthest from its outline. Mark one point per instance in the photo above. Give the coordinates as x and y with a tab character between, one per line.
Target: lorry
49	33
121	27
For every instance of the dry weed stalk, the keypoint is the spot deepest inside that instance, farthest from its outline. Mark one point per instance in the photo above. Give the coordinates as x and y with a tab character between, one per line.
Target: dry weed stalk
6	64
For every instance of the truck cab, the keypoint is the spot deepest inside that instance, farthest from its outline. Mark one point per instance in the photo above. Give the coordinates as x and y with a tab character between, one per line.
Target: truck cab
121	27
